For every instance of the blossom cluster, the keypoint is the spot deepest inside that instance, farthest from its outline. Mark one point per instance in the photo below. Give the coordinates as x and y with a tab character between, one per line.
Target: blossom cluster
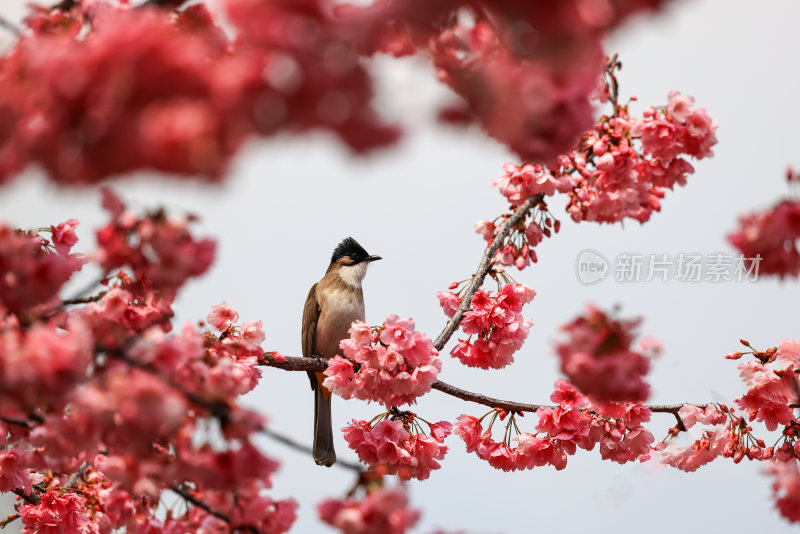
597	356
382	511
495	321
519	246
621	167
391	364
102	411
93	89
158	249
151	89
396	444
574	422
773	236
711	443
35	268
524	70
613	177
771	381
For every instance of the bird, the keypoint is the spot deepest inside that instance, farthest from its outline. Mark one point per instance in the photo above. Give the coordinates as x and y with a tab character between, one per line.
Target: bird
332	305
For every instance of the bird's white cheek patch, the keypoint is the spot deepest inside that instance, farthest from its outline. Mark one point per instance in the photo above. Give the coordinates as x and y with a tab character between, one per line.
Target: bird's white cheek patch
354	274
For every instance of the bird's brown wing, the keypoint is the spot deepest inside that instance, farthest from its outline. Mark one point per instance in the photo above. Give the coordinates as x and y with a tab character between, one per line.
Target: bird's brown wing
310	316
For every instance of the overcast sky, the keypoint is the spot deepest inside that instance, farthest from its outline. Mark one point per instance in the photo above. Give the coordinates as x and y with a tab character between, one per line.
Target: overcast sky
289	201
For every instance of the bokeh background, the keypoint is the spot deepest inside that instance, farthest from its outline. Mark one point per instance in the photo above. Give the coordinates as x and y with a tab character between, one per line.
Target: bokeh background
288	201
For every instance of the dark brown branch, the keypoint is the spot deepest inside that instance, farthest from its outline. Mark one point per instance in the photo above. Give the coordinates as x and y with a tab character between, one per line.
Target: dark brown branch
83	300
483	268
30	499
187	496
463	394
294	363
17	422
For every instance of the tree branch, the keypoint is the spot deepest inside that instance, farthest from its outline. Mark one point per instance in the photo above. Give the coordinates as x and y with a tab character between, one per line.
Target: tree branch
306	449
483	268
10	26
294	363
187	496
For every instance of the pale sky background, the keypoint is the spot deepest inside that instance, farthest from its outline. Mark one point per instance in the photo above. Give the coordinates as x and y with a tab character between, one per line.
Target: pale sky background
289	201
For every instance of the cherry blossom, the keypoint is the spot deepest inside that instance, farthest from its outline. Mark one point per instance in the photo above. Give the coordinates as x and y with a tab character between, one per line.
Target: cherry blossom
56	514
574	422
770	237
786	488
32	274
396	364
383	511
495	321
389	446
597	358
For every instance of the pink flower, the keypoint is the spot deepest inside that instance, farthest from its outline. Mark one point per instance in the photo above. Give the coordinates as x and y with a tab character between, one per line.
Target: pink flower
222	316
786	488
679	106
521	182
789	352
531	451
624	164
64	236
159	249
710	415
43	363
771	234
396	366
56	513
383	511
390	449
701	452
597	358
500	328
253	333
485	229
769	401
566	424
31	274
449	302
567	395
398	333
15	471
470	430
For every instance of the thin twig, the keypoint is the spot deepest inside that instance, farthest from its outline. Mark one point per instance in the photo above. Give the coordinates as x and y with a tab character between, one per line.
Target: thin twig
305	448
187	495
483	268
10	26
83	300
17	422
77	475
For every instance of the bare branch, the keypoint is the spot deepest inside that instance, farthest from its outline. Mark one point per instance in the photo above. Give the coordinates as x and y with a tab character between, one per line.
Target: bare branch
10	26
483	268
306	449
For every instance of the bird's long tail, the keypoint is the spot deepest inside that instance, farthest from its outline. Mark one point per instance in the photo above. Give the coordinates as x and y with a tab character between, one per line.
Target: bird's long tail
323	428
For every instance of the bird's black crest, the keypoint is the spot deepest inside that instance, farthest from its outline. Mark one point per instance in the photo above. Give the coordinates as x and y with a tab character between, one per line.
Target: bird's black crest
349	247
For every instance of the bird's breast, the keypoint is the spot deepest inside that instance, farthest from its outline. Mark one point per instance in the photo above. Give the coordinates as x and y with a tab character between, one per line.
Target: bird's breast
338	309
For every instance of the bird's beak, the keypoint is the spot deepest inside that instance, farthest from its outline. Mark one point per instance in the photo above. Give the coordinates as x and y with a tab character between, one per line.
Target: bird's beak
373	258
